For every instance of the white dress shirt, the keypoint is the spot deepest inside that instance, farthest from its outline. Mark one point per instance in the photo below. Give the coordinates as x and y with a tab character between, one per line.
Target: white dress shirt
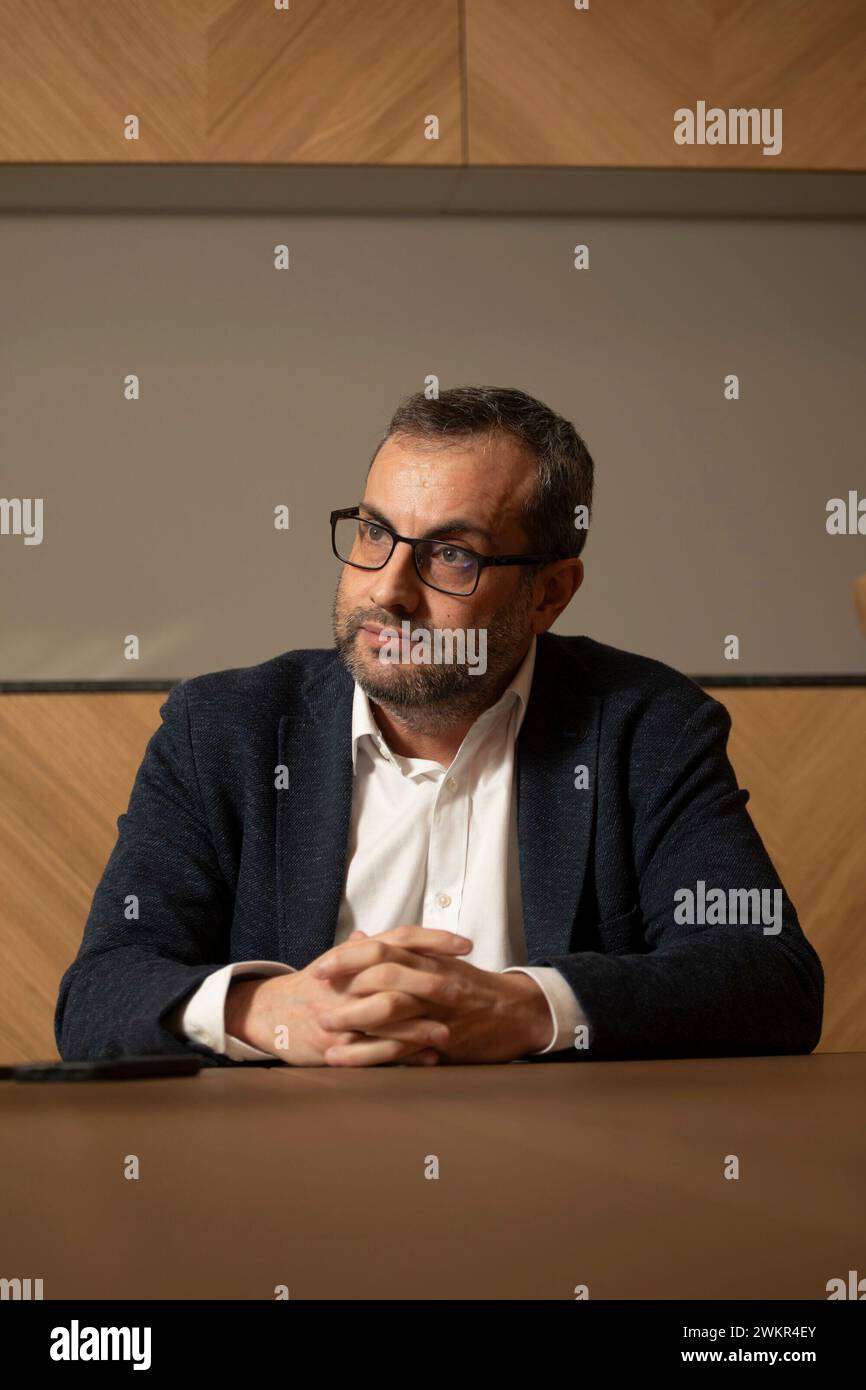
428	845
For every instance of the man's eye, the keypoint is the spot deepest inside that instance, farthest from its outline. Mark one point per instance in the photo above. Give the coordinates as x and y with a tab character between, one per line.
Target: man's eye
452	556
375	533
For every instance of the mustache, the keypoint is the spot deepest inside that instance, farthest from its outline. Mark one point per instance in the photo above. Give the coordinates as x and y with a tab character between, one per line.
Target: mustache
355	620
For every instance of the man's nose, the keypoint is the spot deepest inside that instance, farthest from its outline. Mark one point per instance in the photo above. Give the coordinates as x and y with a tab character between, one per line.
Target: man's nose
398	583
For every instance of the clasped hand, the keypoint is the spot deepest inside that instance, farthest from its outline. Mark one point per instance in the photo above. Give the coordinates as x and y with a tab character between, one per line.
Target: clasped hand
403	995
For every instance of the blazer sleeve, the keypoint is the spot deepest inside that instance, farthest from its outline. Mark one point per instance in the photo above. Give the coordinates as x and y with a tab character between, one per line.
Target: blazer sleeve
160	918
696	990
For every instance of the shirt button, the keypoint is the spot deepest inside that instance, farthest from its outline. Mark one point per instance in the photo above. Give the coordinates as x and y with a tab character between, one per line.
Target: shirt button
443	900
450	783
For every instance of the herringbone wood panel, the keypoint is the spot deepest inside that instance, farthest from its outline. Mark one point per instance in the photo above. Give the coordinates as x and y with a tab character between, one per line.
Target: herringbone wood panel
550	85
351	81
67	764
802	756
230	81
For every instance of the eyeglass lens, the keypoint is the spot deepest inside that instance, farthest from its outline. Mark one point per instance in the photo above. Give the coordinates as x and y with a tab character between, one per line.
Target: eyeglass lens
369	545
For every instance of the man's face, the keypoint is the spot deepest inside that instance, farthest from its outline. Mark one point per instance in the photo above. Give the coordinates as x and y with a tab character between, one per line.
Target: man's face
470	493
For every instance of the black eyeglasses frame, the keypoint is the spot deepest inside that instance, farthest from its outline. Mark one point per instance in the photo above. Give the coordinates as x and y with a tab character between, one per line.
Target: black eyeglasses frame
483	561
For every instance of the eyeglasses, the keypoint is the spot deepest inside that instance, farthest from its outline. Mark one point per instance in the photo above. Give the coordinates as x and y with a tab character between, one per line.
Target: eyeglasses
451	569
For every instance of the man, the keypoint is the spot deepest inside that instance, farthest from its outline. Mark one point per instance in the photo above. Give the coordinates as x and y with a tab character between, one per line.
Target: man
370	856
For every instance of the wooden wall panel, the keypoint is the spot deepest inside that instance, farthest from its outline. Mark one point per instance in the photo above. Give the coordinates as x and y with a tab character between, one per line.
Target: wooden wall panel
800	753
350	82
67	763
230	81
72	70
551	85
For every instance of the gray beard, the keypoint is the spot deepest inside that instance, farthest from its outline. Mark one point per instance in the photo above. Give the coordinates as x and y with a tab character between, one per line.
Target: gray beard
428	699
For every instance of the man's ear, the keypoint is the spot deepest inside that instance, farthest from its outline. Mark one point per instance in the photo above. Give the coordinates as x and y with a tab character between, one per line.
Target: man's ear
561	581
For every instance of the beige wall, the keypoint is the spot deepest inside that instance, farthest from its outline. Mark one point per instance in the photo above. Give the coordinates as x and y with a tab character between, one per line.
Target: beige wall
261	387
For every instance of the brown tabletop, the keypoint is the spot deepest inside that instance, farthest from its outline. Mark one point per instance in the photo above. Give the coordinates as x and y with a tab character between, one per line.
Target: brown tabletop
550	1176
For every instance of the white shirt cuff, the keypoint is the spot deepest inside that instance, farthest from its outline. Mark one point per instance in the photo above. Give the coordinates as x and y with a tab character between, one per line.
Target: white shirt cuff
202	1017
566	1013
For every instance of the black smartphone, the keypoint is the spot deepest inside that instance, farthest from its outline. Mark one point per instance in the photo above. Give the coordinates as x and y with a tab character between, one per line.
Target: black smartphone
103	1069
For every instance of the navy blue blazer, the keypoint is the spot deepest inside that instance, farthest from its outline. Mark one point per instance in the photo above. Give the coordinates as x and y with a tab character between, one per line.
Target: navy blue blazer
226	867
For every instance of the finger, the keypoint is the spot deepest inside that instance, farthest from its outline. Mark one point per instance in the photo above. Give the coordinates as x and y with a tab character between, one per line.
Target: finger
423	1032
370	1052
341	1038
416	1056
369	1012
359	955
356	954
435	988
425	1058
428	939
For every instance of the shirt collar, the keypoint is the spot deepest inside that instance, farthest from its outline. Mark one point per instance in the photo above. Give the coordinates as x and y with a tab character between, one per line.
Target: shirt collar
517	693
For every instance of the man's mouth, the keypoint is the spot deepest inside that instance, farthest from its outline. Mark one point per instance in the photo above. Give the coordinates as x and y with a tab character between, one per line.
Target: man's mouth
378	634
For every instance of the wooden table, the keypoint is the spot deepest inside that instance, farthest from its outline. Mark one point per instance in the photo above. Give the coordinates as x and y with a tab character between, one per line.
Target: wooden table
550	1176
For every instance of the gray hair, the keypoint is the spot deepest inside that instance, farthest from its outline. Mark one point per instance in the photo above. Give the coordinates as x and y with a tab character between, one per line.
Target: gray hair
564	468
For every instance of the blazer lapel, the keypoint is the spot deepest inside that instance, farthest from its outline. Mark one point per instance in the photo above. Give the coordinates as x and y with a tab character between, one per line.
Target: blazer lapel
314	813
559	734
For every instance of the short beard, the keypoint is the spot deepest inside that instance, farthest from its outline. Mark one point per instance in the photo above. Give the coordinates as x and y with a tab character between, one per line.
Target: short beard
429	698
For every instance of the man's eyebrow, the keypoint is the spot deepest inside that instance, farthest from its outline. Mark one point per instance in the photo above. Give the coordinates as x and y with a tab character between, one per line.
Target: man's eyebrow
453	526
